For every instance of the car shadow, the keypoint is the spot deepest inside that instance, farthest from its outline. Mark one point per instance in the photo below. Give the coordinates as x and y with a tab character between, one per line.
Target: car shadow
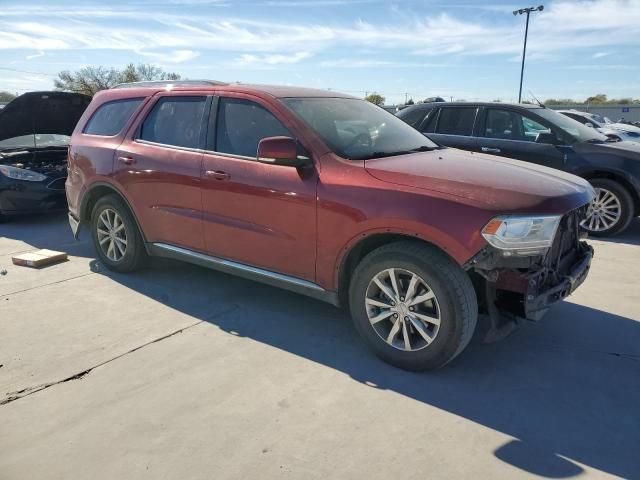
565	389
47	230
631	236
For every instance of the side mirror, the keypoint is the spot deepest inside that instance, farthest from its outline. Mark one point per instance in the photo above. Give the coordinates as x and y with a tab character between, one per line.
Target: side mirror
280	151
547	137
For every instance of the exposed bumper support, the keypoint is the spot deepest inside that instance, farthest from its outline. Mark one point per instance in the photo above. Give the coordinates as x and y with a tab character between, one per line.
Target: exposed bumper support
537	305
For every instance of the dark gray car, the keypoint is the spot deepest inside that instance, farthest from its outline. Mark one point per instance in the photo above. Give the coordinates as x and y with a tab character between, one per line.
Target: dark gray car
536	134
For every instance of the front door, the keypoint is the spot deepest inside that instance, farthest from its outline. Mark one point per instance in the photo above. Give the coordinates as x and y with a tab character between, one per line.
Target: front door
512	134
160	170
256	214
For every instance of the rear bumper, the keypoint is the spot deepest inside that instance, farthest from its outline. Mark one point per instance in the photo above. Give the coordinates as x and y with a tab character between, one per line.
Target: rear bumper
74	223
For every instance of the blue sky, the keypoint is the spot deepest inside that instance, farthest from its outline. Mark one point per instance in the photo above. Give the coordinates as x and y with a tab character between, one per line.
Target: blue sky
459	48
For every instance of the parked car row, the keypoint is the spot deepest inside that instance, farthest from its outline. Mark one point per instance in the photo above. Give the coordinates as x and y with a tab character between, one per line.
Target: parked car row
330	196
616	131
533	133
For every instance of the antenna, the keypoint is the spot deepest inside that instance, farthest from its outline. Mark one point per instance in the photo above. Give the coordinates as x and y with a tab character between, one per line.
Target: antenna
536	99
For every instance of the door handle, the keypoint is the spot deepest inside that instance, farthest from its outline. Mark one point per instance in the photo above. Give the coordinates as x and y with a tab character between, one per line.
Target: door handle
490	150
127	160
217	174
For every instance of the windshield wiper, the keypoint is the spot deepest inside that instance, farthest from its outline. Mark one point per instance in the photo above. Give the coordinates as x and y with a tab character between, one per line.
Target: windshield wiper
423	148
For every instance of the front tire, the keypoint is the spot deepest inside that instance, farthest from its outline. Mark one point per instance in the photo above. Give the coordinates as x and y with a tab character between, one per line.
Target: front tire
413	306
611	210
115	235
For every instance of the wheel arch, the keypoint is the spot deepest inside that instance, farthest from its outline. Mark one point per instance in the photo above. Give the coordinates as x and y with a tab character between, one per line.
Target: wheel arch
99	190
365	245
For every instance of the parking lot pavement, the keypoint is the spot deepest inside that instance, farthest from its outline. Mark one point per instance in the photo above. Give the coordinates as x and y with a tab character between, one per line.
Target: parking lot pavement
181	372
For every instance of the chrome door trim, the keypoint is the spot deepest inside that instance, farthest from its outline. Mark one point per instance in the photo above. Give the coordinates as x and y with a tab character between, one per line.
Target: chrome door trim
268	277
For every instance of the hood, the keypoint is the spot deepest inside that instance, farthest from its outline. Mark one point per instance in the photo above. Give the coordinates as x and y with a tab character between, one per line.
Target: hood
486	181
623	127
53	113
626	149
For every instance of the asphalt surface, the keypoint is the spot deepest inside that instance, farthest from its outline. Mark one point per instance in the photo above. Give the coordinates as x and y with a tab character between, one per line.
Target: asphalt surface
180	372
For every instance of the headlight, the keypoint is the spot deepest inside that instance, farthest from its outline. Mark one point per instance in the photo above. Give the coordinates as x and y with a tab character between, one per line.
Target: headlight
21	174
521	235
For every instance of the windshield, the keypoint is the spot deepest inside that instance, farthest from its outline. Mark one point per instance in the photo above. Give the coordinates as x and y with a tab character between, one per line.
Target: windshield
574	129
358	130
38	140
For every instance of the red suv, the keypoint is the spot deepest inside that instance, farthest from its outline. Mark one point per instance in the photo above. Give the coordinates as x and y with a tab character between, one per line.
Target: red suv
333	197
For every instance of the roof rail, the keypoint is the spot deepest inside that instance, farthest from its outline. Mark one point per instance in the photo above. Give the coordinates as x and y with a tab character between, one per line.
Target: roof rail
171	83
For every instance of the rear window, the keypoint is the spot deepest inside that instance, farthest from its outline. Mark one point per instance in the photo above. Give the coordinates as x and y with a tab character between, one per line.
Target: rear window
175	121
111	117
456	121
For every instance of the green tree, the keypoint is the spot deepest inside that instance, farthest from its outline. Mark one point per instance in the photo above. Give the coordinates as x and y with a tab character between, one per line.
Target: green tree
89	80
410	102
599	98
6	96
375	98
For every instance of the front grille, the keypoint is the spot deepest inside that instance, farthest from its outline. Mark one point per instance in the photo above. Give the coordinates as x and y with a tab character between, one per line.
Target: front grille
57	184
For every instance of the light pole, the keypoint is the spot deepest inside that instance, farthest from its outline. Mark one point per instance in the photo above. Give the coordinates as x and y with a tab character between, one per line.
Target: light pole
526	32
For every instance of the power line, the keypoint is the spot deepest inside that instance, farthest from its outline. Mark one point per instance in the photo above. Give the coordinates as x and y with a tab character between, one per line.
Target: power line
26	71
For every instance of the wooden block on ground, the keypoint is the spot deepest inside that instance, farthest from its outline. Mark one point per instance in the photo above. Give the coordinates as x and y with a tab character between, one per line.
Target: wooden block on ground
39	258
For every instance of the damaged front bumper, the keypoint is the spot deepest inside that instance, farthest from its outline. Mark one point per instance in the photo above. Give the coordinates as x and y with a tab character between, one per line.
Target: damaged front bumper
512	288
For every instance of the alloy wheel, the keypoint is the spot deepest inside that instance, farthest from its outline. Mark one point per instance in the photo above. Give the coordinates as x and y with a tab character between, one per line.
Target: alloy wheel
604	211
402	309
112	235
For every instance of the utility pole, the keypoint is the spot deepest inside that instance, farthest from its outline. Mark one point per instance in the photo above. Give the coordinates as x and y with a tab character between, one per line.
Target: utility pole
526	32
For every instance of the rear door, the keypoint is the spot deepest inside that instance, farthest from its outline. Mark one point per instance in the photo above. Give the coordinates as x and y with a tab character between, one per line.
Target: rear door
159	166
452	126
512	133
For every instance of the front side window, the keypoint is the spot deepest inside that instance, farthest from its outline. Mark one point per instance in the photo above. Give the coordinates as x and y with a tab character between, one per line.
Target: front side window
414	117
356	129
111	117
510	125
175	121
456	121
241	124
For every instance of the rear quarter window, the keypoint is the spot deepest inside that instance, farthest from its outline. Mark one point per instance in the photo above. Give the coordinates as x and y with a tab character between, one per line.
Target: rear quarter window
111	117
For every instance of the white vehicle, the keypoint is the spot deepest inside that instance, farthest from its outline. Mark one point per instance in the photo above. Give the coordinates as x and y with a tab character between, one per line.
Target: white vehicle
615	131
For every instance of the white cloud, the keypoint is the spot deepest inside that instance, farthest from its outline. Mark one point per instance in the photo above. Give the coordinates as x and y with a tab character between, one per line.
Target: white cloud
170	56
600	54
249	59
181	37
35	55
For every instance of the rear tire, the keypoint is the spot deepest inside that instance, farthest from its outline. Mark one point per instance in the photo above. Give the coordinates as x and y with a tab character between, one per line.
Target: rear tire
115	234
611	210
421	326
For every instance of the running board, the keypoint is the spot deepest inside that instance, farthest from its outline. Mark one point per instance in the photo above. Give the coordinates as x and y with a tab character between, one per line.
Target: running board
268	277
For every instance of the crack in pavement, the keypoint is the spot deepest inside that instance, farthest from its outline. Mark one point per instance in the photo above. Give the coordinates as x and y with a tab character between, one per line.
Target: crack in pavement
47	284
25	392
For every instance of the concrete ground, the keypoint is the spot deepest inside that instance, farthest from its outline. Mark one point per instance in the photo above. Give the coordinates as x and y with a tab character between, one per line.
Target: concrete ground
180	372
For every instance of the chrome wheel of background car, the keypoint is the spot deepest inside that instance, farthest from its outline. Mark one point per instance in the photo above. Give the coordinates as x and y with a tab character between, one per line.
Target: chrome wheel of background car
604	211
402	309
112	236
